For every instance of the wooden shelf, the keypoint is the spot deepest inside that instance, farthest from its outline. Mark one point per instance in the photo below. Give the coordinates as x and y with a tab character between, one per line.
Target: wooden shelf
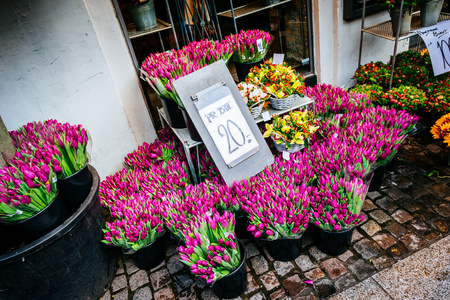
384	29
248	9
161	25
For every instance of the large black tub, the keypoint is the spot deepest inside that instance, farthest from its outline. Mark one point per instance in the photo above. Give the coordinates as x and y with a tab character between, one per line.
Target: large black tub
69	262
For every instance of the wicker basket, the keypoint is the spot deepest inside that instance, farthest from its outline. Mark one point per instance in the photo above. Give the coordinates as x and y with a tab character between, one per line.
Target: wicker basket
282	147
256	109
284	103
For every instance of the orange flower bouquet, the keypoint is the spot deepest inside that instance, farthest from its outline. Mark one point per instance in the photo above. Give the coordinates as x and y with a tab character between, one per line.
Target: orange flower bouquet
441	129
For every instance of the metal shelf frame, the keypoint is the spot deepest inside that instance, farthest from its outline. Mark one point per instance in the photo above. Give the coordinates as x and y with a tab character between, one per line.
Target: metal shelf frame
384	30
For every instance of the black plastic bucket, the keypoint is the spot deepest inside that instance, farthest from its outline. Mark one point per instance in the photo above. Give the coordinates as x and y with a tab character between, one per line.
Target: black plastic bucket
173	113
195	136
377	179
151	255
75	188
241	227
242	69
332	242
38	225
68	262
235	283
284	249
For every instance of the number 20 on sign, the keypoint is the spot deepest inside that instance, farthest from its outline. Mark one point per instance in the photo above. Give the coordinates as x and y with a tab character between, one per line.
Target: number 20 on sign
228	128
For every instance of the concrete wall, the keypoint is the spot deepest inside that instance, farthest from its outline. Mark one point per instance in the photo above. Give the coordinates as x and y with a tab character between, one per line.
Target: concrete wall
68	60
336	43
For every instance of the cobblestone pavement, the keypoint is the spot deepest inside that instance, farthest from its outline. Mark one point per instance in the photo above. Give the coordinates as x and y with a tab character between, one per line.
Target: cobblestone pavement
410	212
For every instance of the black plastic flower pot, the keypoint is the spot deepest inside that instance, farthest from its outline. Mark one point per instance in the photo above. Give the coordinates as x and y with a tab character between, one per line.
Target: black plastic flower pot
284	249
151	255
75	188
173	113
377	179
242	69
332	242
38	225
235	283
68	262
195	136
241	227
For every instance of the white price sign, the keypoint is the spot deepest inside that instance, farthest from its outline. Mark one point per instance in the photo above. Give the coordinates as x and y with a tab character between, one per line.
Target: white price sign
437	40
229	130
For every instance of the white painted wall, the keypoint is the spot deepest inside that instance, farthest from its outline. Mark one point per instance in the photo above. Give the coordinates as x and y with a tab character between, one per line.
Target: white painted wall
68	60
336	43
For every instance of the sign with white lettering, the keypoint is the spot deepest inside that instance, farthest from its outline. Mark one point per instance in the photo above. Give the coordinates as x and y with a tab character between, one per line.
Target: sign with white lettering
437	40
229	130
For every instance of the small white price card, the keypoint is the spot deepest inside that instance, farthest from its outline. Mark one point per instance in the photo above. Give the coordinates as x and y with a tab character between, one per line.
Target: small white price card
278	58
286	155
229	130
266	116
437	40
259	44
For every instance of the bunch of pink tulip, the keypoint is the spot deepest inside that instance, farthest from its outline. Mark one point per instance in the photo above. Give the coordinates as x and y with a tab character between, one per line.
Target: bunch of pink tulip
206	52
156	153
137	222
212	250
336	203
245	45
64	146
27	186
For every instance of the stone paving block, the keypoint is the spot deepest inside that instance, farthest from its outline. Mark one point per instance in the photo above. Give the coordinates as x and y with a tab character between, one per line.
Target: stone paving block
278	295
371	227
380	216
333	267
440	189
400	181
174	264
165	294
259	264
106	296
294	285
418	192
396	229
412	205
269	280
385	240
251	250
431	236
122	295
266	252
361	269
208	294
314	274
387	205
367	289
402	216
367	249
434	148
119	283
396	194
201	283
259	296
398	250
373	195
442	225
413	242
443	209
406	171
346	255
304	263
368	205
356	236
282	267
171	249
251	284
420	228
160	279
316	253
183	281
325	288
345	281
130	266
138	279
143	293
382	262
162	264
188	294
120	269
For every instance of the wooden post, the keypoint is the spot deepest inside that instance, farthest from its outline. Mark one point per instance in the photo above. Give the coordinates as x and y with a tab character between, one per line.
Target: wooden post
7	149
